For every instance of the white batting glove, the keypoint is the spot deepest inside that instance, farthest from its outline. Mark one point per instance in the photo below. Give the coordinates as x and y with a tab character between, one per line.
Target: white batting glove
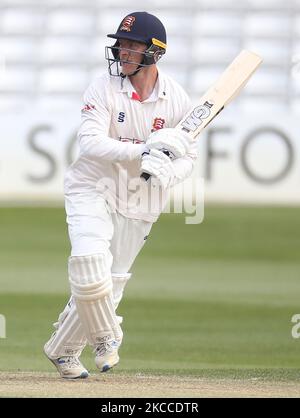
158	165
175	141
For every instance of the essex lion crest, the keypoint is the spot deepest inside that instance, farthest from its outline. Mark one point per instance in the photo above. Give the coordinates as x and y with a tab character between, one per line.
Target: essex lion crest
158	123
127	23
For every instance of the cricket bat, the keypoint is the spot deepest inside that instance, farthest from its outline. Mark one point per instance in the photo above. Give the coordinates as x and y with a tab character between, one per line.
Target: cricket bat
225	89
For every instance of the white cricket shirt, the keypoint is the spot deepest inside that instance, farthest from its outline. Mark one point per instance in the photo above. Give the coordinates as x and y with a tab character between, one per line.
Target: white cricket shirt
114	128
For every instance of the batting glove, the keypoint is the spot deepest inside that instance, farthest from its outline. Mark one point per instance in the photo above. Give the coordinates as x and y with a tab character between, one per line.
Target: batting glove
160	166
170	140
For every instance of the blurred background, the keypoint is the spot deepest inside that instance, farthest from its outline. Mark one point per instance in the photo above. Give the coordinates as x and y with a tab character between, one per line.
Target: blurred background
222	292
51	50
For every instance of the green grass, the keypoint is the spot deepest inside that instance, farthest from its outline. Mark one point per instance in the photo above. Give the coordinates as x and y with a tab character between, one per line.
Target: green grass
214	299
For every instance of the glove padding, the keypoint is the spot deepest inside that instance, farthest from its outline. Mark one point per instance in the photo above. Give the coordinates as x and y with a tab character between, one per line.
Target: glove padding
175	141
158	165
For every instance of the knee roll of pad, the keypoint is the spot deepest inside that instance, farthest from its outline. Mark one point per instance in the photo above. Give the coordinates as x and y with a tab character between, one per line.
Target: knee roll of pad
89	277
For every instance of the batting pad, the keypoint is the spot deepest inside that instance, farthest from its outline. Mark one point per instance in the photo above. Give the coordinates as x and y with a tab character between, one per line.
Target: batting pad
69	338
91	287
89	277
119	282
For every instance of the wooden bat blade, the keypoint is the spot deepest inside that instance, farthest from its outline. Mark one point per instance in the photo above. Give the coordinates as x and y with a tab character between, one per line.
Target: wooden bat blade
225	89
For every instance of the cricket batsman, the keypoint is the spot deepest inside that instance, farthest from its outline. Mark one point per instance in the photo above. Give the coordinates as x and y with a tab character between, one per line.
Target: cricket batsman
127	128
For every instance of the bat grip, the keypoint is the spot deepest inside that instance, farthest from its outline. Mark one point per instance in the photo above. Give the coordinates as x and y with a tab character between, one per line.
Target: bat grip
145	176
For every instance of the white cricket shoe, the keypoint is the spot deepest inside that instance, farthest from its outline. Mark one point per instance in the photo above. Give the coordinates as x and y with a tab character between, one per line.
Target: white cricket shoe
69	367
107	355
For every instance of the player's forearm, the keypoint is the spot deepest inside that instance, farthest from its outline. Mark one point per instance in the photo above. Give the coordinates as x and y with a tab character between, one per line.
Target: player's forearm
99	147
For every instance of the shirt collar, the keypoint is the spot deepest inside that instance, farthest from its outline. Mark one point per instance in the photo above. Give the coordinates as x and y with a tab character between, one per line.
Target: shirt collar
127	87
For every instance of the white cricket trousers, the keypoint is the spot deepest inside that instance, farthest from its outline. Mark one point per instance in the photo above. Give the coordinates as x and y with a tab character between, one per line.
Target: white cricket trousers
94	229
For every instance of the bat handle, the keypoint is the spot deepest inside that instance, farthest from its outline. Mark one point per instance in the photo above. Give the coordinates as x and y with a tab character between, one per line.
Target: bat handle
145	176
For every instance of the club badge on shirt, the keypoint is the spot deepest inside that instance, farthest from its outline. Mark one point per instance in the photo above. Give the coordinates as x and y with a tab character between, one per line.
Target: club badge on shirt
158	123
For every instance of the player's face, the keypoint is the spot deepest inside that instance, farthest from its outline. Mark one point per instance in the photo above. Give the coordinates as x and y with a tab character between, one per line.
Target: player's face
135	55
